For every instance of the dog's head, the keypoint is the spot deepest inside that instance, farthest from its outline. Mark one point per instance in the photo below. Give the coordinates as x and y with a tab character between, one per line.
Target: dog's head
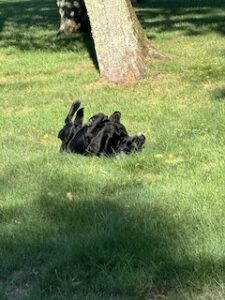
130	144
138	142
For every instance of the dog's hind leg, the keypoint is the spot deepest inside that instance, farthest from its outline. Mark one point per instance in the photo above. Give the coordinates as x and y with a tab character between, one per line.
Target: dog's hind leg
73	109
78	122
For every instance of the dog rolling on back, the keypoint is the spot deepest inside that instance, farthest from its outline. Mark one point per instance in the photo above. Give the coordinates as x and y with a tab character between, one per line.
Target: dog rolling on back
102	135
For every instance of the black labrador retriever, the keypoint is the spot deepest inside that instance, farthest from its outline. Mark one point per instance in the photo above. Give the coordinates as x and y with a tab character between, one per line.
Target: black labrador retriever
102	135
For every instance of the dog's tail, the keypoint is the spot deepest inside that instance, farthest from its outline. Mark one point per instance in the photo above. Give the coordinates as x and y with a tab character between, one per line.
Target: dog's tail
74	107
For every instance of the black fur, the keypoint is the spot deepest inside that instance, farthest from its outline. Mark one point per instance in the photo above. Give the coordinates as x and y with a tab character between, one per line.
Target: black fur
102	135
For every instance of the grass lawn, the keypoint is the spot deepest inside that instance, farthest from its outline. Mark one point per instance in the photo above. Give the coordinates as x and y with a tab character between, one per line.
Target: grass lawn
148	226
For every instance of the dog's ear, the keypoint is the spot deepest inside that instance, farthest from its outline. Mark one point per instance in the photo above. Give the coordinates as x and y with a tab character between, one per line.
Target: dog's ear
115	117
74	107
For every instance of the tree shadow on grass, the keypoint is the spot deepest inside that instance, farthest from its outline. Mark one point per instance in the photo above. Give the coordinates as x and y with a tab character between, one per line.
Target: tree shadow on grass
30	25
100	245
189	17
26	24
33	25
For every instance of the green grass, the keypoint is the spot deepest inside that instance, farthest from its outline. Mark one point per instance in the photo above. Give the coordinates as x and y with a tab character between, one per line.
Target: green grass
147	226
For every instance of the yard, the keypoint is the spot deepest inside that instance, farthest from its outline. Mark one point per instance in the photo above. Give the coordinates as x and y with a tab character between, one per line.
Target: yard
149	226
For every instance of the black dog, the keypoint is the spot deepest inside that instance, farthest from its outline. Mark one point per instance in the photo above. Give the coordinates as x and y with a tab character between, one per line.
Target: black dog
102	135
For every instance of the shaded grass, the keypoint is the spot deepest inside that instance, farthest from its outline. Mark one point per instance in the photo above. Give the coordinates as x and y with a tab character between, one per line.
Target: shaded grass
147	226
188	17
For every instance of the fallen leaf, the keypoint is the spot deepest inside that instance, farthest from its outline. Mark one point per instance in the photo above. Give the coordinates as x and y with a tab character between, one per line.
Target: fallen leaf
69	196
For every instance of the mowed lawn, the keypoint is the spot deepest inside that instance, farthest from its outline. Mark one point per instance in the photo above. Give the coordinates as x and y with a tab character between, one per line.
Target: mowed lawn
147	226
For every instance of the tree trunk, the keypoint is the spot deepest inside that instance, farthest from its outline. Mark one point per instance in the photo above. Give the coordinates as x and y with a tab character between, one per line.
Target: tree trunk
120	42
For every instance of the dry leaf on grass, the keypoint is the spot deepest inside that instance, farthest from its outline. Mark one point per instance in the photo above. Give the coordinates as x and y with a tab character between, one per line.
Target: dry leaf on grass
69	196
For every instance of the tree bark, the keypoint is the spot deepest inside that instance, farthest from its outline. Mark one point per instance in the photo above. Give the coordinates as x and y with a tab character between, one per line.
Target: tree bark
120	42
